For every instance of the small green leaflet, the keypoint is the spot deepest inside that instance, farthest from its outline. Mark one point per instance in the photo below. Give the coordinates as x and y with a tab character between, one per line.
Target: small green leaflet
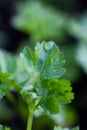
60	128
54	92
4	128
46	61
6	84
3	85
30	62
51	58
51	104
30	58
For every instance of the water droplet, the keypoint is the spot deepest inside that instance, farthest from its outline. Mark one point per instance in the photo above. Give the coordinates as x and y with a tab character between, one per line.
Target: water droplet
48	45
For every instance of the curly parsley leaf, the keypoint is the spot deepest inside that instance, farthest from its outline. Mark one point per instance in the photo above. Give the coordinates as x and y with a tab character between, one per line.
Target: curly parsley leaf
46	61
51	58
51	105
53	93
45	65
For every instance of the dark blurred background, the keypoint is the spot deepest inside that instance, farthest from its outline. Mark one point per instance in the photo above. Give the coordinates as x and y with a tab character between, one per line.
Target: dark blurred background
23	23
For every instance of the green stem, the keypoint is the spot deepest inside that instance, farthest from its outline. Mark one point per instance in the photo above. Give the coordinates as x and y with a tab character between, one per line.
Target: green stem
10	97
30	119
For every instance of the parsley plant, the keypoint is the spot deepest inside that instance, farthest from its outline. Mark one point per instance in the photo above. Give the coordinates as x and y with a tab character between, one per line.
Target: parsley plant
42	86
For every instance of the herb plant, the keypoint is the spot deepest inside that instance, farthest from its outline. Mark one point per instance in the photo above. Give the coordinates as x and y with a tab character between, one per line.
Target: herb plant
42	86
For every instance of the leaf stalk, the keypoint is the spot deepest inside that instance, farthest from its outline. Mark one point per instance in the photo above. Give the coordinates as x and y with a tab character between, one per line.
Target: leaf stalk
30	119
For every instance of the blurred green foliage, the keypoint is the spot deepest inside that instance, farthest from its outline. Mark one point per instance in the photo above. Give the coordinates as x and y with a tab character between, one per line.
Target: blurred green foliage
39	21
60	128
78	28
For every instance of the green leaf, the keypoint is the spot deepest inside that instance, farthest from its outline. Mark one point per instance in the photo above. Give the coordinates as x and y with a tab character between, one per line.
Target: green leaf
31	58
37	63
6	83
53	67
30	63
45	65
47	60
53	93
65	91
12	64
3	83
51	104
60	88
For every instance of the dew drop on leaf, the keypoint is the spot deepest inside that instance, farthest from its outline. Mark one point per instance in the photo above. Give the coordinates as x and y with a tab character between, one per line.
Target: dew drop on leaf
48	46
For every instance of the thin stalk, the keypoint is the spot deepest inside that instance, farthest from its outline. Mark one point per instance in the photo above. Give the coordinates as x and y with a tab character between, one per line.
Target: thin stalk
30	119
10	97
